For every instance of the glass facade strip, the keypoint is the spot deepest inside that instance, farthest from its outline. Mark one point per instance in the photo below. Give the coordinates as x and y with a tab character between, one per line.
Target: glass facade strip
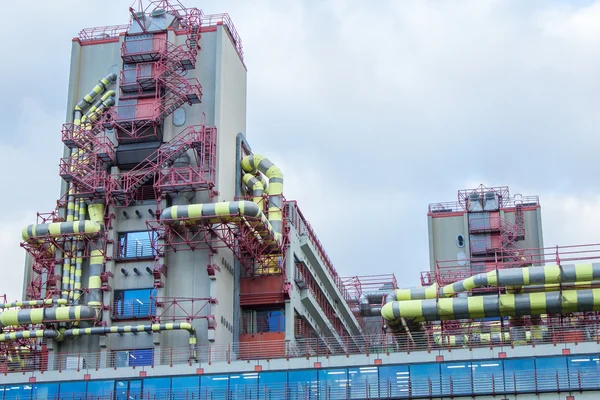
445	379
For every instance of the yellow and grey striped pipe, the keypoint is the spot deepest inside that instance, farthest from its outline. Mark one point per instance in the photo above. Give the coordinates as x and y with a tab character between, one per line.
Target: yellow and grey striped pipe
55	229
256	187
235	211
39	333
493	306
256	163
89	98
96	212
33	303
45	315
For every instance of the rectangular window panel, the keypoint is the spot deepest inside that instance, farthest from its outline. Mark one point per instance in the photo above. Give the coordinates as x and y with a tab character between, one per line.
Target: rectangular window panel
45	391
488	376
261	321
137	245
100	390
362	382
302	385
272	385
141	357
394	381
425	379
333	383
134	303
186	387
214	387
73	390
243	386
518	375
157	388
551	374
584	372
14	392
456	378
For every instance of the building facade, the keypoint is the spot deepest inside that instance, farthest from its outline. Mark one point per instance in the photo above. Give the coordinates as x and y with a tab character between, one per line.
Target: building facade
173	267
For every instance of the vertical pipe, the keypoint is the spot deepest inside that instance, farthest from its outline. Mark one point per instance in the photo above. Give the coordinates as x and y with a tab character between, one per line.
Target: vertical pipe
96	211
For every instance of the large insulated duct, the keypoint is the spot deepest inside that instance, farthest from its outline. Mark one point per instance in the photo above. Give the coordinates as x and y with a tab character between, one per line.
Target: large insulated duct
493	306
235	211
56	229
513	277
33	303
96	212
365	301
46	315
256	163
257	188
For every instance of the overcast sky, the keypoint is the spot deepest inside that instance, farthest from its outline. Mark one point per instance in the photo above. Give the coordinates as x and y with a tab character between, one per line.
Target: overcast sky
373	109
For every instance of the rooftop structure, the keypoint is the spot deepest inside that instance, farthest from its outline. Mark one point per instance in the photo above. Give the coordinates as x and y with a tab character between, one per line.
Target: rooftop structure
174	267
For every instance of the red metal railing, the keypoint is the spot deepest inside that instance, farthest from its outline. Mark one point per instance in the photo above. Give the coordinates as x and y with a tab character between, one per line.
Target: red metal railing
102	32
225	20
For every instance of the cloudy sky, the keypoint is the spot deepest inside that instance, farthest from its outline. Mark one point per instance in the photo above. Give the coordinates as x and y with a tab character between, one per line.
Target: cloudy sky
373	109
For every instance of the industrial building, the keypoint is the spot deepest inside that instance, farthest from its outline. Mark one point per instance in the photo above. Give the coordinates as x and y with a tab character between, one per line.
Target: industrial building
173	266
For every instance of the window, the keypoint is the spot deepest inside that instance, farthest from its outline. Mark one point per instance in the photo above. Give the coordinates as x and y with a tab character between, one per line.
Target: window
73	390
244	386
456	378
100	389
518	375
134	358
362	382
393	381
333	383
128	390
213	387
425	379
488	376
186	387
584	372
134	303
302	385
272	385
45	391
156	388
551	373
14	392
261	321
137	245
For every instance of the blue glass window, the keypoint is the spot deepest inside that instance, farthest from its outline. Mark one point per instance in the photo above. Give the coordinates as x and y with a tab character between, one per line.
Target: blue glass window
45	391
584	372
488	376
73	390
128	390
156	388
552	374
518	375
100	389
362	382
137	245
13	392
394	381
134	303
243	386
134	358
186	387
425	379
272	385
302	385
213	387
456	378
333	383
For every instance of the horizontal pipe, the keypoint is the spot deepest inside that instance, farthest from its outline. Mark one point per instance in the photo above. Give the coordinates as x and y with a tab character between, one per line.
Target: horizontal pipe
234	211
55	229
33	303
46	315
38	333
493	306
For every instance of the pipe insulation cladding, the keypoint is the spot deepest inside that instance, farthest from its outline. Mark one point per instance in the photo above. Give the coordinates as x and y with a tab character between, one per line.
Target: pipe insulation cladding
46	315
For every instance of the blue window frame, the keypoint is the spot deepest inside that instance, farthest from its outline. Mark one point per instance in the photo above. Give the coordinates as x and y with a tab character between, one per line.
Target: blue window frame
584	372
488	376
551	373
134	303
272	385
185	387
456	378
302	385
244	386
518	375
425	380
333	383
362	382
73	390
100	389
158	388
214	387
394	381
137	245
45	391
